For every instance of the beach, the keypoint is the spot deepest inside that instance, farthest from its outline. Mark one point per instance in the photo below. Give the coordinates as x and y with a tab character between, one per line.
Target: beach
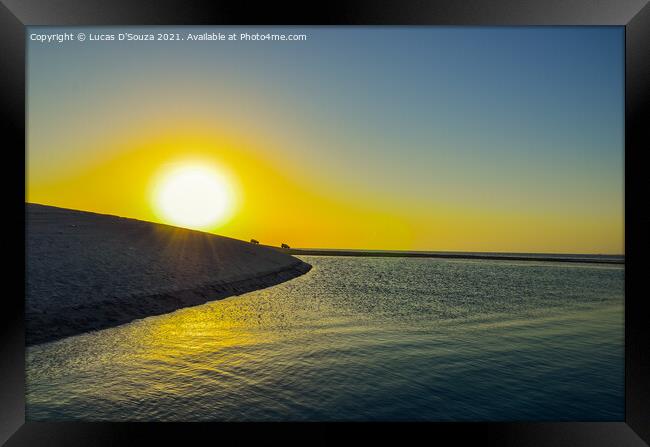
88	271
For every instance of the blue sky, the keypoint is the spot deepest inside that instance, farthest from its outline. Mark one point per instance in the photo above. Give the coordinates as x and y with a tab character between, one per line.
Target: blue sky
527	118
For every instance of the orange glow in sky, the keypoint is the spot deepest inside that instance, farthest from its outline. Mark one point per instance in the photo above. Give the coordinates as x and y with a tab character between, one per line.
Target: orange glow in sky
507	141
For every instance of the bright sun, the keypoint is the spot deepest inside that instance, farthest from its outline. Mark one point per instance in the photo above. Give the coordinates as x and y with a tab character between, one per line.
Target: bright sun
194	196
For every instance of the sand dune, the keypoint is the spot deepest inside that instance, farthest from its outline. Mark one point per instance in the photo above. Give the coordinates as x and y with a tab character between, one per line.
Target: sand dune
89	271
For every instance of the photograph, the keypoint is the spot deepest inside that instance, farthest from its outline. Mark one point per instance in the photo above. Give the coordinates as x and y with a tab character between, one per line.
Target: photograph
325	223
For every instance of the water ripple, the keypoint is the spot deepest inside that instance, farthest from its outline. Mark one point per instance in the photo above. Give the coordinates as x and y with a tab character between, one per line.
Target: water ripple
359	339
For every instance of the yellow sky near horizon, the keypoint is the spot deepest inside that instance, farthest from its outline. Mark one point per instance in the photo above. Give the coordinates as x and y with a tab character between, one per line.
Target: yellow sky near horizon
277	203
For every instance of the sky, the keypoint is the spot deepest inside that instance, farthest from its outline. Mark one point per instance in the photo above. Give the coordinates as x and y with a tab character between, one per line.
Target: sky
408	138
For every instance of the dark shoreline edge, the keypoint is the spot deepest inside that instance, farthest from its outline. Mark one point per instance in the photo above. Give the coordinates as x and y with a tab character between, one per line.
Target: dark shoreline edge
415	254
118	311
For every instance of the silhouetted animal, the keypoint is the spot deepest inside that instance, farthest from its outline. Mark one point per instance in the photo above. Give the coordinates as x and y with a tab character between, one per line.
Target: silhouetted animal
284	246
254	241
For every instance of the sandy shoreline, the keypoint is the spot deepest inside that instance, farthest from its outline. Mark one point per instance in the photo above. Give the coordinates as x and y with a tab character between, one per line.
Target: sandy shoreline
89	271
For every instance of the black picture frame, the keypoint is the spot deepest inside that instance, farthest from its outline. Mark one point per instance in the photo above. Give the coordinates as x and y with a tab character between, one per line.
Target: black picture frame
634	15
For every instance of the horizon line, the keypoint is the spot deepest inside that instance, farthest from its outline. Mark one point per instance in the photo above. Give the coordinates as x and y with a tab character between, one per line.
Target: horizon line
440	253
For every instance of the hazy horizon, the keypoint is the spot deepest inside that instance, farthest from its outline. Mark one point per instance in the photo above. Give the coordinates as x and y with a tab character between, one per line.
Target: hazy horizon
385	250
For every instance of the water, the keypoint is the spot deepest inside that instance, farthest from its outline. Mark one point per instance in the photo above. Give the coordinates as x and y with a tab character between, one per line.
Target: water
359	339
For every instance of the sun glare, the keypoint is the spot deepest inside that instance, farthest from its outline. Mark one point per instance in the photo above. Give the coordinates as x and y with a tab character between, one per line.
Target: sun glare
193	196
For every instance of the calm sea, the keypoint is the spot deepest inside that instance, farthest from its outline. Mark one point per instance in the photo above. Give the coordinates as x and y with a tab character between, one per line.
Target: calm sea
359	339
